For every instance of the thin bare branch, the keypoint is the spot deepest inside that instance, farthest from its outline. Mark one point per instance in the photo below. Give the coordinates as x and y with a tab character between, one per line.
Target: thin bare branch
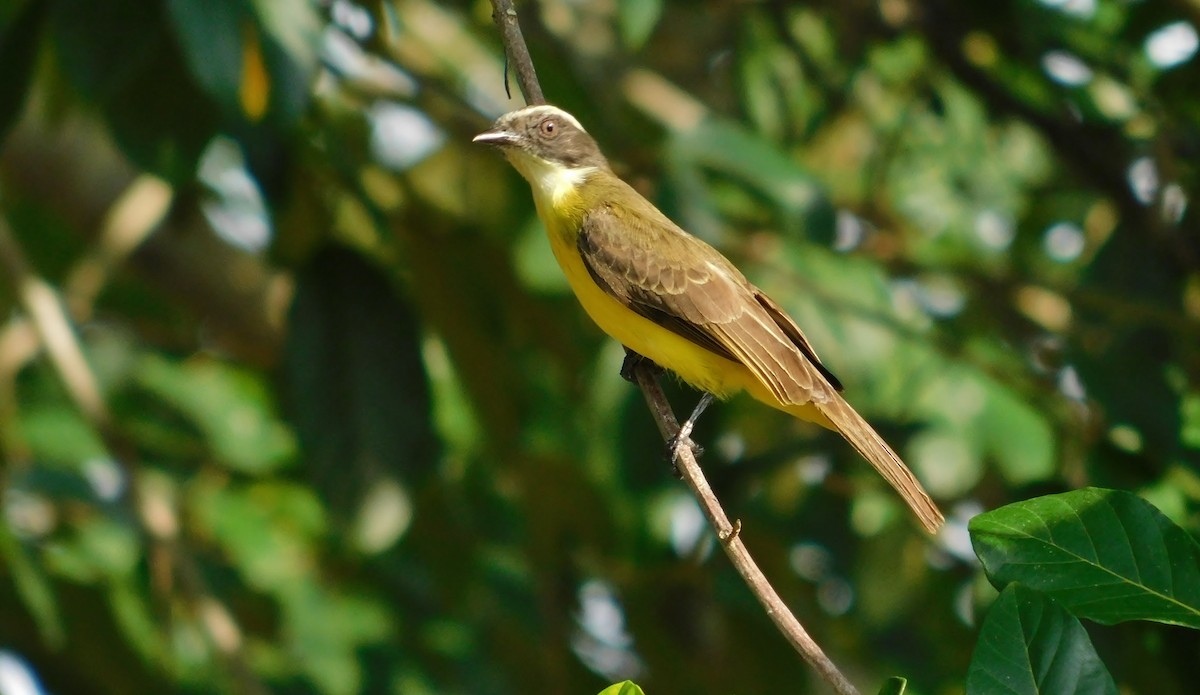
731	540
516	51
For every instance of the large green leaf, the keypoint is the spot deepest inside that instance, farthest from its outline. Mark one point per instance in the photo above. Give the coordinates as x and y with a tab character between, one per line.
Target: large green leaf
1029	645
1107	555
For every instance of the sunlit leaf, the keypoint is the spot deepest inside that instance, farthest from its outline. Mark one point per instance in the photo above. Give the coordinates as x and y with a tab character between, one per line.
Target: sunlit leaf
730	150
1017	436
622	688
1106	555
230	406
266	529
637	19
98	550
325	630
59	433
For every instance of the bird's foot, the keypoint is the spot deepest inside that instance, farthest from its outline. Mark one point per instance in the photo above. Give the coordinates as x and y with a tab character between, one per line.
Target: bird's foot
683	436
675	445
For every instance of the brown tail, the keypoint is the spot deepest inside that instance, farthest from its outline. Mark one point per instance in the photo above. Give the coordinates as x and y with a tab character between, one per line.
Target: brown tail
871	446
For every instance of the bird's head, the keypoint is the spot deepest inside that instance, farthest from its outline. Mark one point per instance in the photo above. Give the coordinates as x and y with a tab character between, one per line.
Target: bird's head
547	146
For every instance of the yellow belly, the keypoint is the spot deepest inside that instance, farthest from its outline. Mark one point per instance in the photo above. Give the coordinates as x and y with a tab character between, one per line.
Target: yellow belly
697	366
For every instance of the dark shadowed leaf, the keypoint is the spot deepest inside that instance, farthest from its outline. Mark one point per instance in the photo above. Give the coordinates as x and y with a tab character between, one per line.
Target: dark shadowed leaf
244	59
210	33
893	686
117	54
356	385
1107	555
18	48
1030	645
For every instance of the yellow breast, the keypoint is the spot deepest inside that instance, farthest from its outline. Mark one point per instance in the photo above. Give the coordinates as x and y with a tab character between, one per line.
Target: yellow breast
560	209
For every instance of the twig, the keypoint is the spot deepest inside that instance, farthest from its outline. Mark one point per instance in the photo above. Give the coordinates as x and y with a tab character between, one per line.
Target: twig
516	51
731	540
50	320
728	533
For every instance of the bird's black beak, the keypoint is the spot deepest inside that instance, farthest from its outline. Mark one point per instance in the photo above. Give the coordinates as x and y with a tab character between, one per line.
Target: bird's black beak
497	136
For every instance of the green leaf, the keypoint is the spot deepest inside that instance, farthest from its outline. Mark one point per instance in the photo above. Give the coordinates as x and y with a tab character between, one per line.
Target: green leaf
1030	644
1189	415
230	406
326	629
1017	436
637	19
1107	555
59	434
729	149
266	530
894	686
622	688
101	47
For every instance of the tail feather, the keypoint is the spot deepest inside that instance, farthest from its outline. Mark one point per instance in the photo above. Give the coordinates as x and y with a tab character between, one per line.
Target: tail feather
871	446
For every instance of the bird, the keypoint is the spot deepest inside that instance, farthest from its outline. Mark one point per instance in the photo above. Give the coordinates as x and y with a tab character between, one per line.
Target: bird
671	298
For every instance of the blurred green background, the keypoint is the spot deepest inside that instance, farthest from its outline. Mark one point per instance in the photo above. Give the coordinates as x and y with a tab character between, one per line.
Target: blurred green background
349	431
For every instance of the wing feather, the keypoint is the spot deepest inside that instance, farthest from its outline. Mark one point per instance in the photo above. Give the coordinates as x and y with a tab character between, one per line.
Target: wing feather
676	280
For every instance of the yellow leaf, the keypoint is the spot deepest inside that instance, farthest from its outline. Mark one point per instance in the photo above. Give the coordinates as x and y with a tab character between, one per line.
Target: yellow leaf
254	93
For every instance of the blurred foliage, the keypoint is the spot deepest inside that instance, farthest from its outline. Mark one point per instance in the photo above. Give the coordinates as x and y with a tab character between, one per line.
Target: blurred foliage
357	436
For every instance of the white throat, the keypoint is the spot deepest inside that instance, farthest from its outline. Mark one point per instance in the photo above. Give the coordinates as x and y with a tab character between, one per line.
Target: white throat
550	181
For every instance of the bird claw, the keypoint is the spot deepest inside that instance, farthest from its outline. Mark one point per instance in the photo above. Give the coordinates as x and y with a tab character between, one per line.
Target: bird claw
683	436
675	445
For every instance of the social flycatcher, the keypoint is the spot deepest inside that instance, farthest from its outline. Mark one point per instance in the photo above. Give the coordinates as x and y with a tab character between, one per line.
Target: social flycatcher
670	297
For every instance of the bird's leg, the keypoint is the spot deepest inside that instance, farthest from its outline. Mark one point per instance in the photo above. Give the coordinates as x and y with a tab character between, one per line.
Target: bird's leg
630	365
681	437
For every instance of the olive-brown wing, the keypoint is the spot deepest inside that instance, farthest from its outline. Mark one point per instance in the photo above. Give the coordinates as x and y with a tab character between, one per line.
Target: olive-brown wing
643	260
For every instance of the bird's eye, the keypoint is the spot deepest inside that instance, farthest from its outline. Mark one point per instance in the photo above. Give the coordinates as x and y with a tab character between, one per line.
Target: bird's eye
548	127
